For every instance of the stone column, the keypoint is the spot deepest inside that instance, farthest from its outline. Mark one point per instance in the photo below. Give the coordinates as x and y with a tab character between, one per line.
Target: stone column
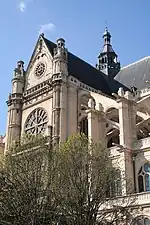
60	72
96	124
63	112
127	121
56	111
13	131
72	123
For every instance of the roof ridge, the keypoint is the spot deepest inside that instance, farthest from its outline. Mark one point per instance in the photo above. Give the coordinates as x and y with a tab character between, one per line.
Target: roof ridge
86	73
146	57
83	60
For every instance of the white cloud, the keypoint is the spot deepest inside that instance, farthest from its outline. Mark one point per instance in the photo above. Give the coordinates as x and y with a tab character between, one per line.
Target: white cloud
48	27
22	6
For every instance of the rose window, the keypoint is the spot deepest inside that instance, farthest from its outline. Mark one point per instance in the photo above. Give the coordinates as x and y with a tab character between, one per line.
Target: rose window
36	122
40	69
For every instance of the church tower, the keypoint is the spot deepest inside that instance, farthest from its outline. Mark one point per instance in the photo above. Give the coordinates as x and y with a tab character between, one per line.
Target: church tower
107	59
15	106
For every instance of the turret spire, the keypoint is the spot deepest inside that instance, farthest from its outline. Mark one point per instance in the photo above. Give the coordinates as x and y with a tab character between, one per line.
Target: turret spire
107	59
106	36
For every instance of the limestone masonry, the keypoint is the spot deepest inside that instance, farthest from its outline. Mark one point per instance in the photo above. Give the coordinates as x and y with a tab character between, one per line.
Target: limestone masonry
60	94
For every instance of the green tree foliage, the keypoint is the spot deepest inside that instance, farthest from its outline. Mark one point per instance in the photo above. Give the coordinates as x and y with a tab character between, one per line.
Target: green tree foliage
68	184
28	178
88	184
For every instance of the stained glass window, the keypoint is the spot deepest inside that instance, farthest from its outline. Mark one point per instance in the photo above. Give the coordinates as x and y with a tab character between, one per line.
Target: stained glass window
144	178
36	122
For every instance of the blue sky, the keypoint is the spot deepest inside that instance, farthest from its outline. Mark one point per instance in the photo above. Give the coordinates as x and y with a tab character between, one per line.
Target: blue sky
80	22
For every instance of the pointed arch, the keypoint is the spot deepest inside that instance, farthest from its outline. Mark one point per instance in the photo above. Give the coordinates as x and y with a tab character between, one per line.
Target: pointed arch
144	178
141	220
84	126
112	117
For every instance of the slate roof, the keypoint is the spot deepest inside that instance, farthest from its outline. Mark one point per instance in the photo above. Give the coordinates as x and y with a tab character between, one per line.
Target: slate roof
135	74
86	73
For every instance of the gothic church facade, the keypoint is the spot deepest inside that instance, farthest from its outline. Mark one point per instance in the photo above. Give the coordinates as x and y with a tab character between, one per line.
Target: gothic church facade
60	94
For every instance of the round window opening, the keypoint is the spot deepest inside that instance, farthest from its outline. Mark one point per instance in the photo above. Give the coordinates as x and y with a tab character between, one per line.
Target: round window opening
36	122
40	69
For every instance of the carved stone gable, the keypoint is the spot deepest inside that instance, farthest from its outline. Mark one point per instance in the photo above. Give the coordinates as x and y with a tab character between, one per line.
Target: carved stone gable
40	65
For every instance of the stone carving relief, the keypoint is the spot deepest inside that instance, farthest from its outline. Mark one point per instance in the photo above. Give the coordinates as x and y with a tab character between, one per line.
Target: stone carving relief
40	66
40	69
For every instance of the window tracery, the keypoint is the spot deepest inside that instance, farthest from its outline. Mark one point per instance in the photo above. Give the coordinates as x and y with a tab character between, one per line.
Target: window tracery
36	122
40	69
141	221
144	178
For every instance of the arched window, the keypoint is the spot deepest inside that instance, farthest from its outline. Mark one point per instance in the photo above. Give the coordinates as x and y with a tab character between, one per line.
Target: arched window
84	126
141	221
112	137
146	221
112	114
144	178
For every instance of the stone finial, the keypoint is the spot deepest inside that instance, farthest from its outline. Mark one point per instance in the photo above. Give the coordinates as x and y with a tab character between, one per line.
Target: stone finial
128	95
19	70
60	51
134	90
91	103
60	43
100	107
1	139
20	65
121	92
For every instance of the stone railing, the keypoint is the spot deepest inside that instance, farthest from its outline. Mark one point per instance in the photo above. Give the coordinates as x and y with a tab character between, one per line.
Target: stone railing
143	198
144	92
37	88
143	143
133	200
138	145
30	145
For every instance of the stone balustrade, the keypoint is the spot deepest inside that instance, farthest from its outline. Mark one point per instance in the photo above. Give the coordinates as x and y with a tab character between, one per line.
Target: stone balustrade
138	145
142	143
144	92
133	200
143	198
